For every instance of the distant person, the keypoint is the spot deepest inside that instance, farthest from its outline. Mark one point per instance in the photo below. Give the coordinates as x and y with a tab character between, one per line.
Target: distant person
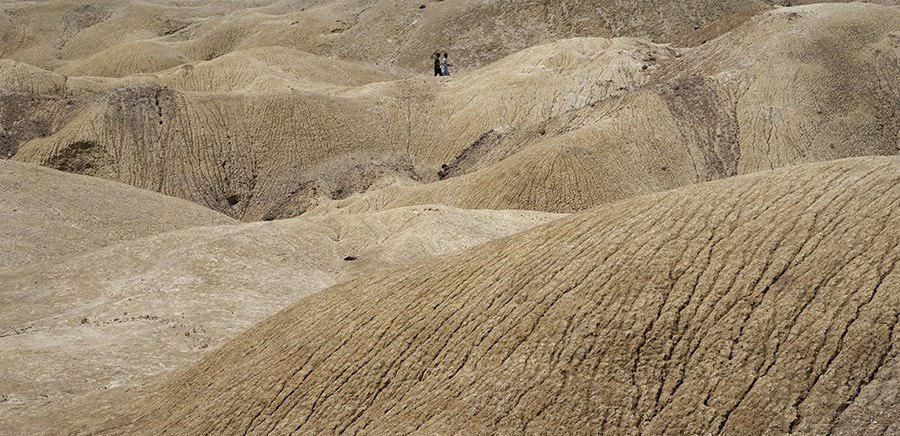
438	71
445	66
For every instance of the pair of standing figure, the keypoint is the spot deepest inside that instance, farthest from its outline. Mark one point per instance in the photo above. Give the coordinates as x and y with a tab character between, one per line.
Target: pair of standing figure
441	65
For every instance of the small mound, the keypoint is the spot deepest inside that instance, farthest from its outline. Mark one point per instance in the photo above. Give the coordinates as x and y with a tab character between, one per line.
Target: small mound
754	305
267	69
16	77
48	214
128	58
121	316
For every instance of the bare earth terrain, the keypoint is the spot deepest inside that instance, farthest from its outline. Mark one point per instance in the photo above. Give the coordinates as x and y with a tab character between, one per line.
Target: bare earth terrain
613	217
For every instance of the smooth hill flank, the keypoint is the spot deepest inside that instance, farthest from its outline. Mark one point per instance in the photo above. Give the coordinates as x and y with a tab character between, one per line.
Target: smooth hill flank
87	329
256	70
269	69
125	59
759	304
49	214
795	85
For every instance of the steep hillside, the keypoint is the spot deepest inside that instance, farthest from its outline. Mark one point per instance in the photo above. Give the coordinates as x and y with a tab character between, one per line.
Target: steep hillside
759	304
47	214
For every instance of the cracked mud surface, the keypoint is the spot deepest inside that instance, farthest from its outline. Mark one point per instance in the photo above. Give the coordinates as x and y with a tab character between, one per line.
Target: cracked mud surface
273	132
615	217
662	321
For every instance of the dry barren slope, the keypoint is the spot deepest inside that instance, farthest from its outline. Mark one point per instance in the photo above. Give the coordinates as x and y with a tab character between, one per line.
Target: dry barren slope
557	127
758	304
115	38
276	151
16	77
86	328
48	214
795	85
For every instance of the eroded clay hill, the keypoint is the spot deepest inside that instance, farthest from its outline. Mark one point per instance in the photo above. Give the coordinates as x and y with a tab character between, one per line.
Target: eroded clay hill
118	38
410	297
86	329
48	214
275	153
759	304
271	132
795	85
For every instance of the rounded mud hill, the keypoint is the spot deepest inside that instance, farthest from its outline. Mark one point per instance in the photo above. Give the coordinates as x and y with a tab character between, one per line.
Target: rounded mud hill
759	304
87	329
558	127
791	86
48	214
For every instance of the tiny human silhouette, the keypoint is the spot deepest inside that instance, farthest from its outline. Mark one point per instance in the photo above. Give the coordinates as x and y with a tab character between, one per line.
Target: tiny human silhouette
445	66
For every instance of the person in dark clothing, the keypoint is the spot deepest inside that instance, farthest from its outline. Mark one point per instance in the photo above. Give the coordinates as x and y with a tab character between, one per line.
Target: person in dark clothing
445	66
437	65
